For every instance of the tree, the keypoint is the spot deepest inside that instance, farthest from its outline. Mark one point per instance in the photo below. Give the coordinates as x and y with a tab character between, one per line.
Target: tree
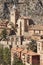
4	34
6	56
17	61
1	54
32	46
13	27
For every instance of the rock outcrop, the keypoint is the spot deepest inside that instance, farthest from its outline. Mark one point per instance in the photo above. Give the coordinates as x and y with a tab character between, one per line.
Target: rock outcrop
33	8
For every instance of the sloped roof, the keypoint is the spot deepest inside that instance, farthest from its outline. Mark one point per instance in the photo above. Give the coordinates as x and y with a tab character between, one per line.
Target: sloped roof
17	49
32	53
29	52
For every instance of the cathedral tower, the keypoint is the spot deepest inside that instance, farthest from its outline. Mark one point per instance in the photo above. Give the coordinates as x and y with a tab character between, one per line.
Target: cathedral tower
14	15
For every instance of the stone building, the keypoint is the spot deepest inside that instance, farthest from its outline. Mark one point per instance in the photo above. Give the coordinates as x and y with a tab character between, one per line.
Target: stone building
40	50
27	57
27	30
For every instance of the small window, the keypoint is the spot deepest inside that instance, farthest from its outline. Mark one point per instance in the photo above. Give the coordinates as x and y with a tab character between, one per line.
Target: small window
36	32
22	38
31	22
25	26
41	37
42	46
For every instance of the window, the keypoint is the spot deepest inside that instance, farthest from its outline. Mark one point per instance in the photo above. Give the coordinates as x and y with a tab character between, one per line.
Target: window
20	28
22	38
39	46
42	46
25	26
36	32
31	22
41	37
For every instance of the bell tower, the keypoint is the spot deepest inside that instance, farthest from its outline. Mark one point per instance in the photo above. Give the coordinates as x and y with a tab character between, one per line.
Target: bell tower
14	15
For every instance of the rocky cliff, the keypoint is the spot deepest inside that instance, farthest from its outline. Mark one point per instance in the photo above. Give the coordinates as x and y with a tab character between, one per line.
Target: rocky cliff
33	8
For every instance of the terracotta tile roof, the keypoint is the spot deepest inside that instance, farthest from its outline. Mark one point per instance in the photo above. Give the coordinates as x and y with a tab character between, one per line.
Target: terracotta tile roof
5	28
3	23
24	51
32	53
29	52
17	49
